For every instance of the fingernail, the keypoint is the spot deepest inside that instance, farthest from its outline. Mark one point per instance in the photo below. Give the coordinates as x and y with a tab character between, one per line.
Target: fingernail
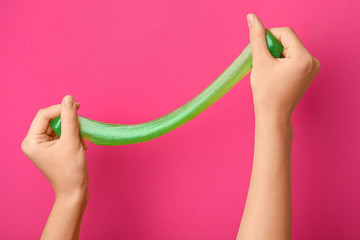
250	19
69	101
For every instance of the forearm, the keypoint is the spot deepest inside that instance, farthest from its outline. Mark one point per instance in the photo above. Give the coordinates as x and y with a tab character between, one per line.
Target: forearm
267	213
78	225
65	217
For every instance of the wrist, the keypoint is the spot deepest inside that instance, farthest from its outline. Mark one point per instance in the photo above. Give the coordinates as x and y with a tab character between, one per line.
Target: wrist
274	121
273	117
75	197
274	125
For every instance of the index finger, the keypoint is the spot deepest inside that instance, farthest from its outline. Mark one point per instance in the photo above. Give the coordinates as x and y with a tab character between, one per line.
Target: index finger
291	42
42	119
41	122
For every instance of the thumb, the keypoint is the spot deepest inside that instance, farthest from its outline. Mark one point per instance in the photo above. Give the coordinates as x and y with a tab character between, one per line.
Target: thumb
69	120
259	48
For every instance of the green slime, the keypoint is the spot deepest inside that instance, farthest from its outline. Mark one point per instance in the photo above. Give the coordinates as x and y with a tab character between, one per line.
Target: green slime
120	134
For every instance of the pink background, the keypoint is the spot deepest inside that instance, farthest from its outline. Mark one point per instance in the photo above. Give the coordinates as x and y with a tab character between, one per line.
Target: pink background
132	61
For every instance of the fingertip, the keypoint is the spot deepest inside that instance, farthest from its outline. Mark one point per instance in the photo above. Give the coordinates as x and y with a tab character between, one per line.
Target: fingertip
258	44
255	21
250	19
68	101
69	119
68	106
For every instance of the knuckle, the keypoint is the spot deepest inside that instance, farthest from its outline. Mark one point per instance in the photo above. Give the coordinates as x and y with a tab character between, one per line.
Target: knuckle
26	148
306	57
288	29
69	119
40	112
307	63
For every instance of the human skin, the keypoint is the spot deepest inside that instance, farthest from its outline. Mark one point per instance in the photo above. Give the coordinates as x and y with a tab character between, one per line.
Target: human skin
277	87
63	162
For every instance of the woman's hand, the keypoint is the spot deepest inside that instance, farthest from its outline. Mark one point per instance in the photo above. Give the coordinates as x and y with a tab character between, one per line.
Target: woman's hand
63	162
279	83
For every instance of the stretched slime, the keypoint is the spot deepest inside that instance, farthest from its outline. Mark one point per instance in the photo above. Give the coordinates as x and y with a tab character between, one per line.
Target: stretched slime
120	134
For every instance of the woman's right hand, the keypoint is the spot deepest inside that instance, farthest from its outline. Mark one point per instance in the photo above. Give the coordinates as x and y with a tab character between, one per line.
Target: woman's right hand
279	83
